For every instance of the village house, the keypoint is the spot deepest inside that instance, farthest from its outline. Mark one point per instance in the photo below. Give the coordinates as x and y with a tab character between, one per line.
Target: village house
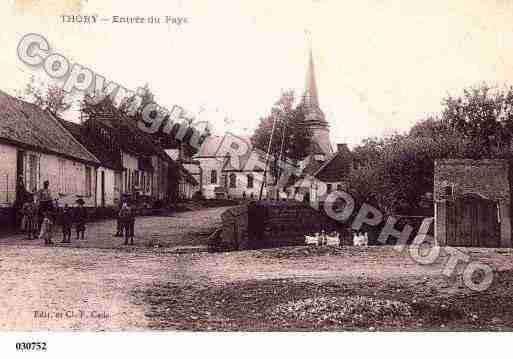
133	164
187	183
321	176
36	147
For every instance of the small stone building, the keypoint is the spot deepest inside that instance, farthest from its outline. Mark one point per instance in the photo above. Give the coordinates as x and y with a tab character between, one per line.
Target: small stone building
473	203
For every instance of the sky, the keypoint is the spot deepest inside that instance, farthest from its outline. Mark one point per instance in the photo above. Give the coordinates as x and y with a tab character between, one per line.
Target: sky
381	65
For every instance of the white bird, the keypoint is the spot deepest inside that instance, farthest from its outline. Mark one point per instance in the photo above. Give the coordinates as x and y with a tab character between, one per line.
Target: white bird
333	240
310	240
361	240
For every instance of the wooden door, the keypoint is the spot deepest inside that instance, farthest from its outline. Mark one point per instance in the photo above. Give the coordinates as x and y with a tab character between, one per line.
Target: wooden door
473	222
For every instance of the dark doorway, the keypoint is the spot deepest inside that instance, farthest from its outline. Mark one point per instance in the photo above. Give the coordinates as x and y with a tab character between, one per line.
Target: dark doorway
20	170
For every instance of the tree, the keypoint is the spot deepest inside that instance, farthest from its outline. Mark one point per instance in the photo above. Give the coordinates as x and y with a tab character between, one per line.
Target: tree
395	172
48	97
290	139
485	116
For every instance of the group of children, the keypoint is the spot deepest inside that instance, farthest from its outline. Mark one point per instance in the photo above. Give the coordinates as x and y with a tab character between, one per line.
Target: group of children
39	223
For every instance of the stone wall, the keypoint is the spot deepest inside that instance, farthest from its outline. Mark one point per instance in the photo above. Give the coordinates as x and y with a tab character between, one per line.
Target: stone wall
7	175
266	224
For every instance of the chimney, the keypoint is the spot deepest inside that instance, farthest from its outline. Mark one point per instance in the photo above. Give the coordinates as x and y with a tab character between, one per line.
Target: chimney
342	147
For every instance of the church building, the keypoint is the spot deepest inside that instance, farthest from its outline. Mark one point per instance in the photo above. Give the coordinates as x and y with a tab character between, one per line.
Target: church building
323	170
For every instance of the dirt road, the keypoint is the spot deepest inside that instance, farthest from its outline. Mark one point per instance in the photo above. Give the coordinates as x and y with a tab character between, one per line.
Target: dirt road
99	284
180	229
116	289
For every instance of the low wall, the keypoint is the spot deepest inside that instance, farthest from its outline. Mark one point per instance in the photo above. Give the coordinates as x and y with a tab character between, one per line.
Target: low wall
266	224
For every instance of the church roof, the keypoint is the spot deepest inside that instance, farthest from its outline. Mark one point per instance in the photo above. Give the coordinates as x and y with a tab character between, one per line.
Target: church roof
210	147
310	101
311	97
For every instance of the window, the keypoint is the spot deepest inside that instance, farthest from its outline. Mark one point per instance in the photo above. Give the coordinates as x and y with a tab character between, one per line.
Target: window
62	171
339	187
329	187
88	182
233	180
213	177
136	179
250	181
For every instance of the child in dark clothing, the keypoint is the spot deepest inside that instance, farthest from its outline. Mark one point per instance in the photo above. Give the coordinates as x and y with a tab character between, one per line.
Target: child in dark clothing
127	220
119	225
66	220
80	218
29	210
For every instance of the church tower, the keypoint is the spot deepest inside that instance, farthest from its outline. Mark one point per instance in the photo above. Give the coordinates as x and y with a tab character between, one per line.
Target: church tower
314	117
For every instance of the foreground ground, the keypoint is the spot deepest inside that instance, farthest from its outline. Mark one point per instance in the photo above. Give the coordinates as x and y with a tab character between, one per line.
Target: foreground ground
99	284
294	288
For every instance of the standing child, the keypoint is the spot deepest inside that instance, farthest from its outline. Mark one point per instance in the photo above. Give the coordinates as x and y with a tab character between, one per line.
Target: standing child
66	220
80	219
29	211
46	228
119	226
125	219
131	225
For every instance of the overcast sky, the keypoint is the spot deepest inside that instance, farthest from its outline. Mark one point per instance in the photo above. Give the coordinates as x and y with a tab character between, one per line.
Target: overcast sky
381	65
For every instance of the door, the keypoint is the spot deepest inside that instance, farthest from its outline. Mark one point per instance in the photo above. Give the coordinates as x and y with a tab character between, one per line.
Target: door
20	171
473	222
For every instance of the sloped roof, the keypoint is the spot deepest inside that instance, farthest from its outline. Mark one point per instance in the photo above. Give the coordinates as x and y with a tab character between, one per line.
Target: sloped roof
314	149
26	124
336	167
128	136
95	145
210	146
242	161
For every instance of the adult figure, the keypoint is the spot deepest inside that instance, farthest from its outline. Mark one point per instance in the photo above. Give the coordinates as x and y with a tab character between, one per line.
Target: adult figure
45	200
21	198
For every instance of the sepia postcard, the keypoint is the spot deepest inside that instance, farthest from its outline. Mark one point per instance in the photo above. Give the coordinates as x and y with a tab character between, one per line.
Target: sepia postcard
321	167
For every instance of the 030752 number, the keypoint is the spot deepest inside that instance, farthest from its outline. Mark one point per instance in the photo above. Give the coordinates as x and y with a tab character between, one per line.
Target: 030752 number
31	346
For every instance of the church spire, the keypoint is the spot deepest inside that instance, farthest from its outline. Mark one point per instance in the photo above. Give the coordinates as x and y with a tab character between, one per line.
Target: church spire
314	117
310	97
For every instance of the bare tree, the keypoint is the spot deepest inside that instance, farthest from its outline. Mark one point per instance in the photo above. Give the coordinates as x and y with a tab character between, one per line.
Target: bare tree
48	97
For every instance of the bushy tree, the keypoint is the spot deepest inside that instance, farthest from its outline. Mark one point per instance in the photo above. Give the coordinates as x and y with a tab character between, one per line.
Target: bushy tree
394	173
290	139
485	116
